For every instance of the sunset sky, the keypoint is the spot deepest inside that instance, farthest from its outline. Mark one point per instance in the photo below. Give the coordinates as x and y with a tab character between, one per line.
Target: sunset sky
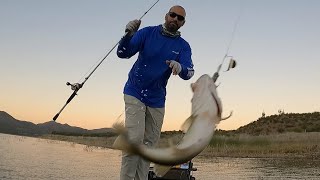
44	44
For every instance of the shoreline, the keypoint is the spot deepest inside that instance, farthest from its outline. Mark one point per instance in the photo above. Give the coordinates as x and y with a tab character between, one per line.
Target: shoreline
287	145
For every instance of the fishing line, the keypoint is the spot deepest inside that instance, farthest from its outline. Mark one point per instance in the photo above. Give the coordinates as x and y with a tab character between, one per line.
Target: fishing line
77	86
232	63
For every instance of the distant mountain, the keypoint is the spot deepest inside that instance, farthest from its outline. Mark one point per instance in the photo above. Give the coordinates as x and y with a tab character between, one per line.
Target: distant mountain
281	123
52	126
101	130
10	125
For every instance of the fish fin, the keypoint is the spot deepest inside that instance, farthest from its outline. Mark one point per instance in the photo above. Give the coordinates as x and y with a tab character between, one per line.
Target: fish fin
187	123
161	170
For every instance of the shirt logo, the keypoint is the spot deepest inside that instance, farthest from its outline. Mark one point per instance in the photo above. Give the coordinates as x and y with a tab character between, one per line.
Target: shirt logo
175	52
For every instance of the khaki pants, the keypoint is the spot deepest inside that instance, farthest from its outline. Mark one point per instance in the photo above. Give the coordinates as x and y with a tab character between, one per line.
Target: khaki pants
144	126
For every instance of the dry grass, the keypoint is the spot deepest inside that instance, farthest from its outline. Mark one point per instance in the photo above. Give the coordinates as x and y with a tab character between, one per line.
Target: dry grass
277	145
105	142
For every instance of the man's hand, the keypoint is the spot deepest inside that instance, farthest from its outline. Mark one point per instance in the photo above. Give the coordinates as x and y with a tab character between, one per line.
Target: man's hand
175	66
133	27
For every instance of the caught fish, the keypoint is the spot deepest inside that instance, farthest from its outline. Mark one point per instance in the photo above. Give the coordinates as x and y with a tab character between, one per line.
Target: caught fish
198	128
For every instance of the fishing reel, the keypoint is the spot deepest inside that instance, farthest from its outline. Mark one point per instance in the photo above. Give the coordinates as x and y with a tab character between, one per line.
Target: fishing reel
75	86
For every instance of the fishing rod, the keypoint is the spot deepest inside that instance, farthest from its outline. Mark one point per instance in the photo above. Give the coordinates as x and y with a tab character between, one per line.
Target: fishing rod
77	86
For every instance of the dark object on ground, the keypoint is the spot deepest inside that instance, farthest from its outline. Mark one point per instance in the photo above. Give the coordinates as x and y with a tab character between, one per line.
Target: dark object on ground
178	172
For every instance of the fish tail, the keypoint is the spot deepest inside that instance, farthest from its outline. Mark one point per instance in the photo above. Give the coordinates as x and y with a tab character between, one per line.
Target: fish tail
119	128
121	142
161	170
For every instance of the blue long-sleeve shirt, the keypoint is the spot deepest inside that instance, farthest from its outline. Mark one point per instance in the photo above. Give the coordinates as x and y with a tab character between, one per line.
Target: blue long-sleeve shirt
148	77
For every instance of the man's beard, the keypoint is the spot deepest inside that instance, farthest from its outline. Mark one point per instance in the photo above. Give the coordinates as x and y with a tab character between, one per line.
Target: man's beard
170	33
172	27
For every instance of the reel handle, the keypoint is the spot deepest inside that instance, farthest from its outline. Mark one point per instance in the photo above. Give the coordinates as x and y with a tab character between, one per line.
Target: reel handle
75	86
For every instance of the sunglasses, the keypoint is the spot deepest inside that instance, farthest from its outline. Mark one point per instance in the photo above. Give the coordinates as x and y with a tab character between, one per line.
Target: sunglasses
173	15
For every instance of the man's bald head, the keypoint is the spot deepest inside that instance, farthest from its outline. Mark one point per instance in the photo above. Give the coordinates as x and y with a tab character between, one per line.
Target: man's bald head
175	18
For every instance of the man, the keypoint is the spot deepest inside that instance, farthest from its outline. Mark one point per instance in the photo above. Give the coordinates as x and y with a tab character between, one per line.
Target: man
162	52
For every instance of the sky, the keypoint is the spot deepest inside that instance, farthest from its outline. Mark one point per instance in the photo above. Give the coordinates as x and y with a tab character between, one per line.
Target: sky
44	44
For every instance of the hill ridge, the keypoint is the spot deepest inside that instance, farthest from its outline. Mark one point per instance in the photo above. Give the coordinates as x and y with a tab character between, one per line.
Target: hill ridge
273	124
280	123
10	125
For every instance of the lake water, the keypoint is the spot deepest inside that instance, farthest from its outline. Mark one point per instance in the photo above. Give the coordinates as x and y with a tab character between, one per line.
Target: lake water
34	158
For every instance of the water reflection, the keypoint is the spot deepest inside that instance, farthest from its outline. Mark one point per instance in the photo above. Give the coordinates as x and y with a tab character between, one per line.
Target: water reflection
256	168
33	158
